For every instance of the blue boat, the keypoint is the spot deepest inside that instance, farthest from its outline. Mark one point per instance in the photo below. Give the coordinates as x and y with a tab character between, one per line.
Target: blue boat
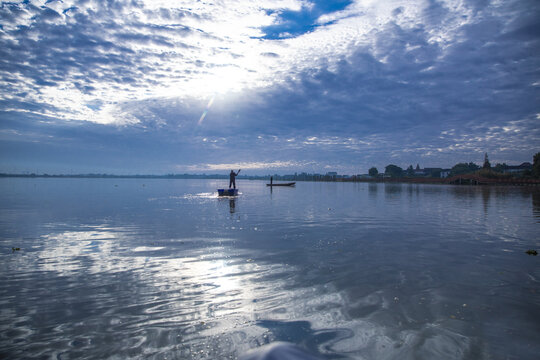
227	192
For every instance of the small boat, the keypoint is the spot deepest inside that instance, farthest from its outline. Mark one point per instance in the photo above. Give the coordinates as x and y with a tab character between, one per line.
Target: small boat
227	192
281	184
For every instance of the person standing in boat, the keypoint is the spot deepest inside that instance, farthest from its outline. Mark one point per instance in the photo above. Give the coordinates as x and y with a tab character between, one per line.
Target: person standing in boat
232	178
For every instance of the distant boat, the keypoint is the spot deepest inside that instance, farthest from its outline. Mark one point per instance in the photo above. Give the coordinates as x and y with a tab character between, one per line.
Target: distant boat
281	184
227	192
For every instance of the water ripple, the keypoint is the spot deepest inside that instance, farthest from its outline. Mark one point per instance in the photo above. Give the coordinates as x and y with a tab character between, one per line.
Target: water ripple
378	271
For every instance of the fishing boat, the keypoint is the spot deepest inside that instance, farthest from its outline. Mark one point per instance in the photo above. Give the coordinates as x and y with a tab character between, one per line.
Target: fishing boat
281	184
227	192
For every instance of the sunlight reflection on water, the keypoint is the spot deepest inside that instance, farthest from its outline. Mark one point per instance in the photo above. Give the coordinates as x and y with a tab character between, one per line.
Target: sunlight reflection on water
346	270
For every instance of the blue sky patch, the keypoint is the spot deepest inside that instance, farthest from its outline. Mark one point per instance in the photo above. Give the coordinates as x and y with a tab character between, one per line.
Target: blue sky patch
295	23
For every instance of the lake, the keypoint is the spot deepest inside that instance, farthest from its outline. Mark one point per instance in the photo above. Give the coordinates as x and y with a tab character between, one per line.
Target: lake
159	268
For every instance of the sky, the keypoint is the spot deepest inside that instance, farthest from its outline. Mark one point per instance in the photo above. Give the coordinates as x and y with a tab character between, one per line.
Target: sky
278	86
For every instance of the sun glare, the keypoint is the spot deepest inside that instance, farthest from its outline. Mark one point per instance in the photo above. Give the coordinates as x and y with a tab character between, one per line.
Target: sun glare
221	82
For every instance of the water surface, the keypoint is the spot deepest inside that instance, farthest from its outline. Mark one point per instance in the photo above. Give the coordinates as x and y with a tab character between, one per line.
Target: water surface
120	268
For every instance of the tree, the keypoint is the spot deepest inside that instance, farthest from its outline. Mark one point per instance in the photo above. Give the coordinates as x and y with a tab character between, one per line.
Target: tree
500	167
373	171
410	171
393	171
487	165
463	168
536	165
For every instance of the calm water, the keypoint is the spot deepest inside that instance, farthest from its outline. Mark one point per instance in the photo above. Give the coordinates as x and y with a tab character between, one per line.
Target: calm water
164	269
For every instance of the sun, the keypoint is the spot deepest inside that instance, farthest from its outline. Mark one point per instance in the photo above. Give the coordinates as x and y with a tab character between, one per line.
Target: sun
222	81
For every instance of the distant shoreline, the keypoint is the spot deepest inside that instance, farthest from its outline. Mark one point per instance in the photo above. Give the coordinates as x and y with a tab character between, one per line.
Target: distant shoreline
113	176
465	179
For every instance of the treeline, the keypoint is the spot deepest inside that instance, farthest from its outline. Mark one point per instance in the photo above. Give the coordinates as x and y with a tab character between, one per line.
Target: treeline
113	176
486	170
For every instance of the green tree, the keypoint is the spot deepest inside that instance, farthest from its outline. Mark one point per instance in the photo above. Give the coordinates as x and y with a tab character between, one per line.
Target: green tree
463	168
500	167
410	171
536	165
373	171
393	171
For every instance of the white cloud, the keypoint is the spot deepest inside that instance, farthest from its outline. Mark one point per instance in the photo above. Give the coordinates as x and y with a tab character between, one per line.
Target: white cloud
241	165
181	48
371	80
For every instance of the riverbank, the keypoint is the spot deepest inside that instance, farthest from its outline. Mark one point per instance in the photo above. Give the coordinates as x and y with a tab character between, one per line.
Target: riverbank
464	179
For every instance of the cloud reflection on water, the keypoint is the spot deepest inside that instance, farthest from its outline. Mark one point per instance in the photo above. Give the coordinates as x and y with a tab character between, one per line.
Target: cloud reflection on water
203	298
199	286
359	271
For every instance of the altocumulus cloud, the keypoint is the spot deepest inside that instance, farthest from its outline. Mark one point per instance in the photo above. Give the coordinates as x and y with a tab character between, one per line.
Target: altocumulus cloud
122	86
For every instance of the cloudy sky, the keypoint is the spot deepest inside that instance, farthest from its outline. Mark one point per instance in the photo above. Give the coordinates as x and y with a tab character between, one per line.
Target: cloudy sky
277	86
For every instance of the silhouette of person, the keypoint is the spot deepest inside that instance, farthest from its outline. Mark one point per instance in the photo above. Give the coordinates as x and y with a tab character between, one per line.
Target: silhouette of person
232	178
